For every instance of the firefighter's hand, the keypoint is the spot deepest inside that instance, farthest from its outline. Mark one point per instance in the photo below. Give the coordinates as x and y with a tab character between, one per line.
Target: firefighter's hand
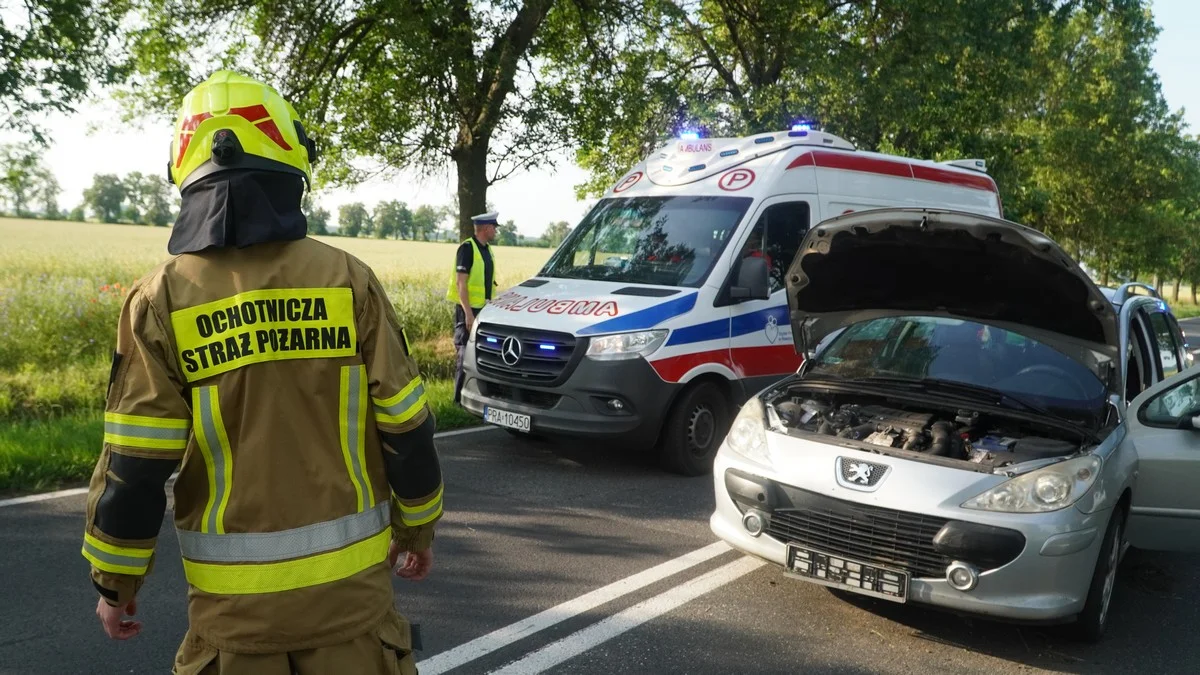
114	626
416	565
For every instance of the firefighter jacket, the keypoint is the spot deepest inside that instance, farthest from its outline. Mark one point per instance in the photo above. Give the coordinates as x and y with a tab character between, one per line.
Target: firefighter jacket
277	380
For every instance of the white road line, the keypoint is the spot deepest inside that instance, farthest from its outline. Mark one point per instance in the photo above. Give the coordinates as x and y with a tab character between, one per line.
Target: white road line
579	642
27	499
482	646
43	497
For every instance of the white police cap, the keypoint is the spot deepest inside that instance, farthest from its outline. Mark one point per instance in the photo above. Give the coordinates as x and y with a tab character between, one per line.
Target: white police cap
486	218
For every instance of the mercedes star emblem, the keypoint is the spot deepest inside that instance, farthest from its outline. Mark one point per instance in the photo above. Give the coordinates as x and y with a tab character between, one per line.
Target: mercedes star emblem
510	350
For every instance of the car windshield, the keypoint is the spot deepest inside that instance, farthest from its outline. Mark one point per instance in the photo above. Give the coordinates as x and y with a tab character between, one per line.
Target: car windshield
668	241
965	352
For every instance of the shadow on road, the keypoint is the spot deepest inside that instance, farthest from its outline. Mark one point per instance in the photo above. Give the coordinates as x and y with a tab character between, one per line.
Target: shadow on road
1150	586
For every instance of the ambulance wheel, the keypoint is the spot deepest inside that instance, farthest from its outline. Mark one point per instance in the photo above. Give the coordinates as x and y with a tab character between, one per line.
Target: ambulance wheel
694	430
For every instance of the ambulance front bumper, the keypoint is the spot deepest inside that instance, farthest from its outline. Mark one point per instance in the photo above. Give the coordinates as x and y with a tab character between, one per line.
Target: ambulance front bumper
606	400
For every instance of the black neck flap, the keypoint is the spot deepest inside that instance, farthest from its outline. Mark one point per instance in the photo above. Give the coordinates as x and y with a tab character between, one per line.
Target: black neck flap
239	208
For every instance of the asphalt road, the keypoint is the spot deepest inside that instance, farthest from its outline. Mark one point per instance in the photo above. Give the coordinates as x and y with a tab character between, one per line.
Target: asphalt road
565	559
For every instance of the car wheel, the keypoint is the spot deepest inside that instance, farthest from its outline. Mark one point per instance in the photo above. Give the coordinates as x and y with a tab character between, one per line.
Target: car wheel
1089	626
695	428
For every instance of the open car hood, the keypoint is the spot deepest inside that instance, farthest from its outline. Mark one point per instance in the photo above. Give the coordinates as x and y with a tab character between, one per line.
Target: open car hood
906	261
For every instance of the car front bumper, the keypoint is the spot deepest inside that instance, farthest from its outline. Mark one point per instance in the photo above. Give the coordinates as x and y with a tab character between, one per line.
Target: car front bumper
1047	581
579	406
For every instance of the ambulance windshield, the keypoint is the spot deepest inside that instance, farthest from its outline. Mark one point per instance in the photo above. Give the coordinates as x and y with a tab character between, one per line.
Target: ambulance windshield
667	241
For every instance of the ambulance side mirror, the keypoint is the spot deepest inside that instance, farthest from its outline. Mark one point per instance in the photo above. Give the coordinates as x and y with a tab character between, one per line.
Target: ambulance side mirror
753	281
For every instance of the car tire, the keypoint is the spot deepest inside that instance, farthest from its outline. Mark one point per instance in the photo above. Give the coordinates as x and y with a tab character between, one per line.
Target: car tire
694	429
1091	623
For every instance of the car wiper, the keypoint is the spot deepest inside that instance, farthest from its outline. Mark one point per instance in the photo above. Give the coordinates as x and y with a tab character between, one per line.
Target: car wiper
973	390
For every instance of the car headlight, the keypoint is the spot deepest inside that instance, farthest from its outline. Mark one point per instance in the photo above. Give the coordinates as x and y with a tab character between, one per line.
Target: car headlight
748	433
625	345
1048	489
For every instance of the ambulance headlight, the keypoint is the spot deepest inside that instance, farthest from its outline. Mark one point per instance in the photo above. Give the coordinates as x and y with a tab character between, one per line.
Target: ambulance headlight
625	345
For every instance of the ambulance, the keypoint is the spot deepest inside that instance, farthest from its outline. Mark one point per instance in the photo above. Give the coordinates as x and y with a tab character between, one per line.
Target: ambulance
665	308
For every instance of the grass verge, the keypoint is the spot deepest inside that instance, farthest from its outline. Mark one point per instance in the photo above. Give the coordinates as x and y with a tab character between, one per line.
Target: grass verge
37	455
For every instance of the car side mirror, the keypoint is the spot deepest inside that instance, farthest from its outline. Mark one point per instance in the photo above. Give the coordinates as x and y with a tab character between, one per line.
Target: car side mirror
753	281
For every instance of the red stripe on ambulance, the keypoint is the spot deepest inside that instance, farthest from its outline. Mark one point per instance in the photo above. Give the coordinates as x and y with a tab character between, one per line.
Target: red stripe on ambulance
826	159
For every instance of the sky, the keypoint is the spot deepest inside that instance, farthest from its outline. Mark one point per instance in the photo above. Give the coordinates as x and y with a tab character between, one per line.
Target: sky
89	142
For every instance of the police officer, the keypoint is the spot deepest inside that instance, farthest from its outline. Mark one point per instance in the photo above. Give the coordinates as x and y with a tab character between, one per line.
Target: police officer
471	286
272	372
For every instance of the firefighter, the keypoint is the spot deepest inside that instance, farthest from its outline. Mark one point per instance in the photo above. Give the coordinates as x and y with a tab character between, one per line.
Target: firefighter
272	372
471	286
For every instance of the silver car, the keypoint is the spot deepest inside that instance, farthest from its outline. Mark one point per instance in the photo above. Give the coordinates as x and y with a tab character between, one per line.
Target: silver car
981	430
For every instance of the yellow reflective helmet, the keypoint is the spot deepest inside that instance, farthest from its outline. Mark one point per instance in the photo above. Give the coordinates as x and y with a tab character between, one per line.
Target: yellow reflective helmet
231	121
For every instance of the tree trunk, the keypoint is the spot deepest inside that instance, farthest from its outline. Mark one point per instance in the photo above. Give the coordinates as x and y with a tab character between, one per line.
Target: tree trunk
1194	284
1158	284
471	163
1176	297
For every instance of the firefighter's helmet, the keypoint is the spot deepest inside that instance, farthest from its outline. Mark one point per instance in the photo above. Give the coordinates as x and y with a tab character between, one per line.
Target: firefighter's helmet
230	121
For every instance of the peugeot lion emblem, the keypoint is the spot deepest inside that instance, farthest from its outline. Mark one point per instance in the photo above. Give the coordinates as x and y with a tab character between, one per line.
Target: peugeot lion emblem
860	473
510	350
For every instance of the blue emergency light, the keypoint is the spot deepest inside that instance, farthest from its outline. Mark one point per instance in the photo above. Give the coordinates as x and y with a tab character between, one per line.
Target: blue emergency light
548	348
689	135
802	126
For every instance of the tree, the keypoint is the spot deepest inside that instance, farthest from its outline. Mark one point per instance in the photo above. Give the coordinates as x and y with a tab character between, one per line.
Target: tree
149	199
77	214
405	84
105	197
20	173
913	77
393	219
52	55
353	219
506	234
555	234
425	220
48	191
318	218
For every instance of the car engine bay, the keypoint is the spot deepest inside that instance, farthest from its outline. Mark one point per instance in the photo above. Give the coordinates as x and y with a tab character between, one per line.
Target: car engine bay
985	439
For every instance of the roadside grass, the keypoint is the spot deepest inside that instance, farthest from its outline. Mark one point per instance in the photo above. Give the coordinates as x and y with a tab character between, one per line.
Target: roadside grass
61	289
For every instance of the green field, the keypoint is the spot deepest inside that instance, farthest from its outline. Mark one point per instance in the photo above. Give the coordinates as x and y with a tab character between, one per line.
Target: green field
61	288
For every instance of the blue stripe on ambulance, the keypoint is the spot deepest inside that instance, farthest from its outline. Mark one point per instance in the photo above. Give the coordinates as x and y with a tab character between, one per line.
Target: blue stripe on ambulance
644	318
742	324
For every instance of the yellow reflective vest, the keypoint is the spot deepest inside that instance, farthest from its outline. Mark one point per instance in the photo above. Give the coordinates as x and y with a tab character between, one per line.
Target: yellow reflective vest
476	283
265	376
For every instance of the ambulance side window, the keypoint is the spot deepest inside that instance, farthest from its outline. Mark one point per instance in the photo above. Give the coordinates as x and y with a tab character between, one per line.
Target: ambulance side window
776	236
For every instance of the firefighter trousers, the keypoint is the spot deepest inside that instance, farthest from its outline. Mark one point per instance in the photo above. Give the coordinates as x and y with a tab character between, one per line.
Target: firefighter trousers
384	650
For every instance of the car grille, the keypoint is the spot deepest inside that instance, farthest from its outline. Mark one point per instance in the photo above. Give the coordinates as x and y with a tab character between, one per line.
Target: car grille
504	392
545	356
896	539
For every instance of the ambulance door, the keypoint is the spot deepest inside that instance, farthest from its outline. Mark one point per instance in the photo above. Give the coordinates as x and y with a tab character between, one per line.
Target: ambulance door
760	348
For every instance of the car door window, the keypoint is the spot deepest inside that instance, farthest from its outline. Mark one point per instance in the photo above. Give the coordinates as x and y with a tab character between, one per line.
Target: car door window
1174	407
1139	375
776	237
1168	351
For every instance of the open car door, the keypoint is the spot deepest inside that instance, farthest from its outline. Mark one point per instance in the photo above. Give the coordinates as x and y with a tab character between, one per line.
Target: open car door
1164	428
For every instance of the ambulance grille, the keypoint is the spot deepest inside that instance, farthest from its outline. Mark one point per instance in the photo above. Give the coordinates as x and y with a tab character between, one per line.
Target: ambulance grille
546	357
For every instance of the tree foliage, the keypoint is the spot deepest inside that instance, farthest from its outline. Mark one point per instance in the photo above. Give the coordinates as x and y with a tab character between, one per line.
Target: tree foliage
555	233
52	54
386	84
353	219
25	181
